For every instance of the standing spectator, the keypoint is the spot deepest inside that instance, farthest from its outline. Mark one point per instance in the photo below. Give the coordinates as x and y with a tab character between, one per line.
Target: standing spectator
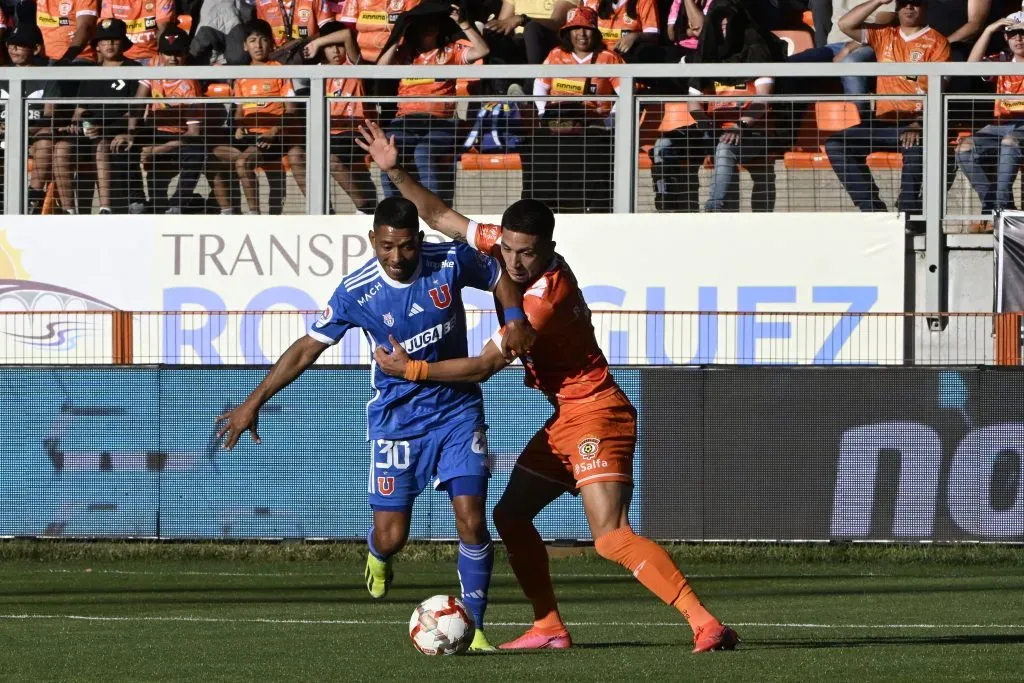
428	35
67	28
171	142
567	162
897	123
262	130
23	47
85	146
347	164
145	21
373	21
999	141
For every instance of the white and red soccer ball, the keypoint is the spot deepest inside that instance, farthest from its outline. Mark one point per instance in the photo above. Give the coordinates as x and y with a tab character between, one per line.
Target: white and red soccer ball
441	625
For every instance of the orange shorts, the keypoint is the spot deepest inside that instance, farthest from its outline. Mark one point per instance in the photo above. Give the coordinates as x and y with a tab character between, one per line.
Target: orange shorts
584	443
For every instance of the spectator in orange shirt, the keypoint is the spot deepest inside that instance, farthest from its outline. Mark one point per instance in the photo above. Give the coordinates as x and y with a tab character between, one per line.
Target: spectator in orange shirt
145	20
567	162
347	161
627	26
372	20
67	28
426	129
171	138
896	126
293	21
999	141
264	130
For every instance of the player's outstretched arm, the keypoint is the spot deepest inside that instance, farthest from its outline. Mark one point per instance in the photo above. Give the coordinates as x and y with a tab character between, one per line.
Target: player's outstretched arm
397	363
432	210
519	334
292	363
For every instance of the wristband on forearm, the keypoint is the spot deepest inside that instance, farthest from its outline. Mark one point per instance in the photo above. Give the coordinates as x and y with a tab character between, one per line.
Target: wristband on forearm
513	314
416	370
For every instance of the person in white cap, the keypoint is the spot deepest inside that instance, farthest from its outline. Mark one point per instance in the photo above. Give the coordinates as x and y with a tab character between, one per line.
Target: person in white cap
996	147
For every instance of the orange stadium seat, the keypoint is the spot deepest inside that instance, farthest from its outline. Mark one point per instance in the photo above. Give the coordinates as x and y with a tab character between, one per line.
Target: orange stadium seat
475	161
218	90
185	22
829	118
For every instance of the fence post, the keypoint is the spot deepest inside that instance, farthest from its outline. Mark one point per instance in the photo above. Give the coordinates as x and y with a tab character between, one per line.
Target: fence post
14	159
317	140
934	189
1008	339
123	337
625	152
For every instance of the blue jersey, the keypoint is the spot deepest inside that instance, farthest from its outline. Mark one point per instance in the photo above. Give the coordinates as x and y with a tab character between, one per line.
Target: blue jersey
428	317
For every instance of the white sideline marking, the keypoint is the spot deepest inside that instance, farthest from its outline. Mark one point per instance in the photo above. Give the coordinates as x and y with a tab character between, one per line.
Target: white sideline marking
382	622
555	575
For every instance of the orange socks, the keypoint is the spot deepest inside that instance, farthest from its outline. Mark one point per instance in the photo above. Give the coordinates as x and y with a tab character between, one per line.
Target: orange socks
529	560
653	567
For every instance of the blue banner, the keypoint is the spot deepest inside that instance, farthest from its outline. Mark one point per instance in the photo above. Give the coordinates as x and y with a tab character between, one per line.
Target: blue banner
130	452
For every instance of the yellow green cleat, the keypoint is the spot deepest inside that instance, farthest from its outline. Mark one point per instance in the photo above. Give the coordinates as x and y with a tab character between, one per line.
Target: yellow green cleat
378	576
480	643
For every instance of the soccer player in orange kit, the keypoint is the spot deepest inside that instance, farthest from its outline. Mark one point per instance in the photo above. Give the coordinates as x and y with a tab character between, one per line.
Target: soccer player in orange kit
586	446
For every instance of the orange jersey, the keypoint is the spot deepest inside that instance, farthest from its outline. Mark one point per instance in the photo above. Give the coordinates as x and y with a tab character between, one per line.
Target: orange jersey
1007	85
142	18
419	88
566	362
57	20
620	23
292	19
346	113
373	21
582	87
927	45
264	114
175	89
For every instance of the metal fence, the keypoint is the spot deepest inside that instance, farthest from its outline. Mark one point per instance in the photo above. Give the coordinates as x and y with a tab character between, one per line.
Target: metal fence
627	337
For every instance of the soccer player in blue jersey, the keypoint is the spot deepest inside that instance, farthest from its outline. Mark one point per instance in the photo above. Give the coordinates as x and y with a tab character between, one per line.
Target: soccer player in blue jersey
418	432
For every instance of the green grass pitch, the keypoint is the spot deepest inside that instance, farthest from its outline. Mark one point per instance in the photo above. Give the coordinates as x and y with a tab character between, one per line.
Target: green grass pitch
112	612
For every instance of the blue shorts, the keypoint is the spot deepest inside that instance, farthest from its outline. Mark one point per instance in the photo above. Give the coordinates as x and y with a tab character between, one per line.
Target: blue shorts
401	469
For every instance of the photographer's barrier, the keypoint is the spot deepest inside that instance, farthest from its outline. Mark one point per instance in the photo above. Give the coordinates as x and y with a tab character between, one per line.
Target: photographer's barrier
896	454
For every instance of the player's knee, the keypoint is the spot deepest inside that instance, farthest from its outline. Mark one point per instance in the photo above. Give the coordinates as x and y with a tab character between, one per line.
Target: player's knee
390	538
1010	141
611	543
471	526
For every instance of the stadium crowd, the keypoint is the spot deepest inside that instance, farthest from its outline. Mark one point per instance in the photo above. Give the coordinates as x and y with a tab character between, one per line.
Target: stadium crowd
118	157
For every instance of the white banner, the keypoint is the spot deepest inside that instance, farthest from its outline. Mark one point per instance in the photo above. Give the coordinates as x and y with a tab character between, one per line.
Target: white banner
783	263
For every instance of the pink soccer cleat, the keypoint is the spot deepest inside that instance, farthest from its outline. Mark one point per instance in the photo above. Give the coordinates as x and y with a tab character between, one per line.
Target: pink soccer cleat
536	639
715	637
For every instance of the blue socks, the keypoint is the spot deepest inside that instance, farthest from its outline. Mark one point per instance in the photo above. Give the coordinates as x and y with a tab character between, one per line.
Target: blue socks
373	551
475	565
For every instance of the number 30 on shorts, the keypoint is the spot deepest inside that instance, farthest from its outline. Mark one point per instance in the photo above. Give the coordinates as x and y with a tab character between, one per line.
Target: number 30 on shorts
392	454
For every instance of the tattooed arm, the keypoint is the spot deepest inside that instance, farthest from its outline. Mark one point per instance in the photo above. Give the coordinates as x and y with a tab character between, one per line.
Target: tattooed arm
431	208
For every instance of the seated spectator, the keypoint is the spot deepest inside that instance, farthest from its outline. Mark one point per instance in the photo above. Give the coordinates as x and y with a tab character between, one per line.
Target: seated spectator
85	146
733	131
628	26
67	29
24	43
373	21
347	160
505	32
685	21
264	131
293	23
567	161
896	126
216	39
426	129
839	48
170	137
997	145
145	20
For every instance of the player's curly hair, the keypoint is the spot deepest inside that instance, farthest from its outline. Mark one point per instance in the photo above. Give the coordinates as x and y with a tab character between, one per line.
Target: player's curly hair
398	213
529	217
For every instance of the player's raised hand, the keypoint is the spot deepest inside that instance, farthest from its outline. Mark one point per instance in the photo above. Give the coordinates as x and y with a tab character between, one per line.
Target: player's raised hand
236	422
392	363
518	340
378	145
